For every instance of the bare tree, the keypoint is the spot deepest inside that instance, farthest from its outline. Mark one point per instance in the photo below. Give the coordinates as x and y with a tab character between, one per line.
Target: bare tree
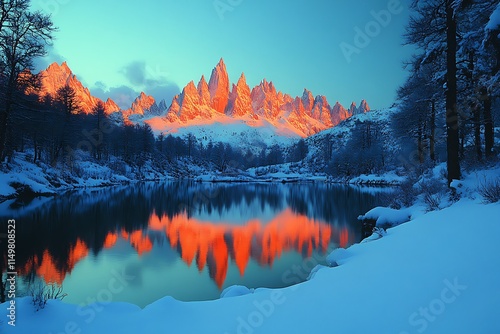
24	36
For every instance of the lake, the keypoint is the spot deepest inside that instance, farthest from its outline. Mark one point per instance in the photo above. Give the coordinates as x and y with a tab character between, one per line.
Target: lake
189	240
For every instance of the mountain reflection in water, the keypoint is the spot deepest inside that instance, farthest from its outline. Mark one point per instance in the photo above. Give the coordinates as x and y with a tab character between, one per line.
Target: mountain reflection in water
211	228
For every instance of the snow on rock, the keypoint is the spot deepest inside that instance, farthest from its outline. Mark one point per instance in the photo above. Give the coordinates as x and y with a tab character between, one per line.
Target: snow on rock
235	290
387	216
378	233
42	179
390	178
314	271
337	257
494	22
26	173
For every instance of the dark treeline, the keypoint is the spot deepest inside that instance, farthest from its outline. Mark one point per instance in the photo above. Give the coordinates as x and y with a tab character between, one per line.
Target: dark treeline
447	106
453	84
57	131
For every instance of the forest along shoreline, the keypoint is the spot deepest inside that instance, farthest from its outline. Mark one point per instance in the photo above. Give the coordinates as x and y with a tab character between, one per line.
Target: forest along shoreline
26	181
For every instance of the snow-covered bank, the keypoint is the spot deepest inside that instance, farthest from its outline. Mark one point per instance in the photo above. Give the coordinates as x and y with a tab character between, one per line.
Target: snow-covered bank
437	273
43	179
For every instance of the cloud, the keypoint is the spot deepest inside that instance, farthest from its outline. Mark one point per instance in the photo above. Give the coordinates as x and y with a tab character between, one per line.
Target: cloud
41	63
122	95
135	72
140	78
151	80
160	92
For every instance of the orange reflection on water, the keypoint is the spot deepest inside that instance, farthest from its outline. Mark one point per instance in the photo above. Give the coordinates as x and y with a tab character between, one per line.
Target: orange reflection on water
210	245
141	243
110	240
48	268
214	244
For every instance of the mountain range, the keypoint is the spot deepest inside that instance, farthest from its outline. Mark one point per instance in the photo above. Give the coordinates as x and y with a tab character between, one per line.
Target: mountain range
216	102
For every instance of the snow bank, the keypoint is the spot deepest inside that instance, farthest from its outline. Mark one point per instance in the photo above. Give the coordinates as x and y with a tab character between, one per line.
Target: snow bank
45	179
390	178
421	277
387	216
235	290
337	257
27	173
494	22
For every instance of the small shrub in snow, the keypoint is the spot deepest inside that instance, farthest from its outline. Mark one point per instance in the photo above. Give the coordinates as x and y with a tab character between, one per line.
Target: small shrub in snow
41	293
433	192
78	170
405	195
490	190
433	201
119	167
379	231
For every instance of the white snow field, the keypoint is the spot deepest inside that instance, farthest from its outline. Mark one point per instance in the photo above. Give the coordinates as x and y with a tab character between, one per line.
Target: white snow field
438	273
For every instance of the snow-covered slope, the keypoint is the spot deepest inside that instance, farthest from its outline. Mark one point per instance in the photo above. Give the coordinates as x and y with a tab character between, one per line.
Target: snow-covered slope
245	134
418	278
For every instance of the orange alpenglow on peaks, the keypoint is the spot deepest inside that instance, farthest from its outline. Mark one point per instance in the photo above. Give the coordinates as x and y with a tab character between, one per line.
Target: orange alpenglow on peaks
57	76
215	101
240	102
218	87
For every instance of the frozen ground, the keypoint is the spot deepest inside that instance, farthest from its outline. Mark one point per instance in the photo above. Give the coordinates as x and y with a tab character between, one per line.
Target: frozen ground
437	273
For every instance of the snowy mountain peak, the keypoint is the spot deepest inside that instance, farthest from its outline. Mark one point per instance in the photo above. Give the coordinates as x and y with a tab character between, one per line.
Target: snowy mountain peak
142	105
57	76
363	107
240	101
353	109
203	92
308	100
110	106
219	87
339	113
213	102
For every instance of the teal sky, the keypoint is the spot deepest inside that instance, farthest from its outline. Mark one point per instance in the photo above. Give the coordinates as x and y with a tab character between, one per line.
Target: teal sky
119	48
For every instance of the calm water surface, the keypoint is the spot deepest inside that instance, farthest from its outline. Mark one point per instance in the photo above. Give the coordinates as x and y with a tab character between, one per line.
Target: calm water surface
183	239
